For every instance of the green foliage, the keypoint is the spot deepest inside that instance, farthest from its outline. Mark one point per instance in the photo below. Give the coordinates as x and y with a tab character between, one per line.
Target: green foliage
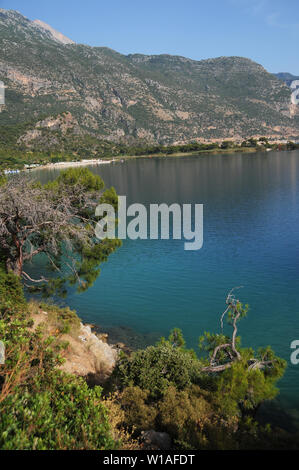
241	309
185	416
73	148
250	378
109	196
79	176
156	368
2	178
56	412
176	338
57	222
167	386
252	142
140	414
241	391
11	289
226	144
161	388
40	406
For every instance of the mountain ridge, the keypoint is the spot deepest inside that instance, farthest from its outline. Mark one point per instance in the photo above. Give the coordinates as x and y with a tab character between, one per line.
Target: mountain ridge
56	34
127	98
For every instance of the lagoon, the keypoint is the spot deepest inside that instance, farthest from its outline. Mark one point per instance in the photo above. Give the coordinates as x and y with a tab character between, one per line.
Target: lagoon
251	239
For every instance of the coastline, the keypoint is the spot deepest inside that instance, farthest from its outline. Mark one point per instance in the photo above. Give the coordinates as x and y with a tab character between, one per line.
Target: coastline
122	158
193	153
85	162
89	353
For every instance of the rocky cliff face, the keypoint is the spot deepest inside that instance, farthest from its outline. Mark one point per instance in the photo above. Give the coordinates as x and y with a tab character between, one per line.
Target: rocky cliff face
165	99
87	354
293	82
55	34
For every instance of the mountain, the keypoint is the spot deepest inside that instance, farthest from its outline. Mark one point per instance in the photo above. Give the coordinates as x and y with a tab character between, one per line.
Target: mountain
286	77
56	89
56	34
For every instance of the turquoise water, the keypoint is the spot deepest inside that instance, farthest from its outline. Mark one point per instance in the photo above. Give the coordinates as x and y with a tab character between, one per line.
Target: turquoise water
251	238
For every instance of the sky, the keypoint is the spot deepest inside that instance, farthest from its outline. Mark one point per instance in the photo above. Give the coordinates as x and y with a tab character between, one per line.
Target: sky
266	31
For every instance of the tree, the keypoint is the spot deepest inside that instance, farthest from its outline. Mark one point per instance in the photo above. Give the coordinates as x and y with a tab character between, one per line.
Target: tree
55	221
244	379
249	142
237	379
292	146
227	144
223	350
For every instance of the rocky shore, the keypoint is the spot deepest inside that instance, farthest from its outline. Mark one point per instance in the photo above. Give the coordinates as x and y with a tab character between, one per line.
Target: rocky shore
87	354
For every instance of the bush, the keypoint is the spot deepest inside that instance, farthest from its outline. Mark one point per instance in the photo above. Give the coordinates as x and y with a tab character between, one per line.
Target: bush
64	320
139	413
156	368
11	289
241	391
184	415
40	406
60	412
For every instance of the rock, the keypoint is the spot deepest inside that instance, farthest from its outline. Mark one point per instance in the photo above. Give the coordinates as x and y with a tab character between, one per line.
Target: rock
121	346
103	337
86	329
87	355
161	440
82	338
125	104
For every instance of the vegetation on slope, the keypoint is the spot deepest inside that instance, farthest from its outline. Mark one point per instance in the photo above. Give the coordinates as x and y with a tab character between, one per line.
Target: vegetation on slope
155	99
203	403
163	387
41	407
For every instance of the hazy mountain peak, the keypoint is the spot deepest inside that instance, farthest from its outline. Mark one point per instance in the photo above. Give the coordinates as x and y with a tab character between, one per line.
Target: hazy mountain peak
56	34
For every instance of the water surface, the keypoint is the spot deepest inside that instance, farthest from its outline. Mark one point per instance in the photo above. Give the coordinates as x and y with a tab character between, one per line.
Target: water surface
251	235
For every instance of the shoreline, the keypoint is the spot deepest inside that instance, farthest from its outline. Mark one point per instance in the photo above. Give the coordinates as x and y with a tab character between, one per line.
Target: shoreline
89	353
123	158
85	162
192	153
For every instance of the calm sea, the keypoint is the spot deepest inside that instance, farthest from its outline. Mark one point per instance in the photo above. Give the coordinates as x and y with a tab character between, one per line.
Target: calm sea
251	239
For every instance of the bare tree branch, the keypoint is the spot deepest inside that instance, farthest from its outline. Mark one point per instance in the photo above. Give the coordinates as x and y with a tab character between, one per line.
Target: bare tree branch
35	220
218	364
42	279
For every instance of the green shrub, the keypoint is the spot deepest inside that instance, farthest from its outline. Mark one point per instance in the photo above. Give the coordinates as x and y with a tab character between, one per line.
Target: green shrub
185	415
156	368
64	319
139	413
60	412
11	289
240	391
40	406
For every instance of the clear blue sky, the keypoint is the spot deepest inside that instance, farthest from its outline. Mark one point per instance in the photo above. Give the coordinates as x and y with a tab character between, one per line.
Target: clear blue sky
266	31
